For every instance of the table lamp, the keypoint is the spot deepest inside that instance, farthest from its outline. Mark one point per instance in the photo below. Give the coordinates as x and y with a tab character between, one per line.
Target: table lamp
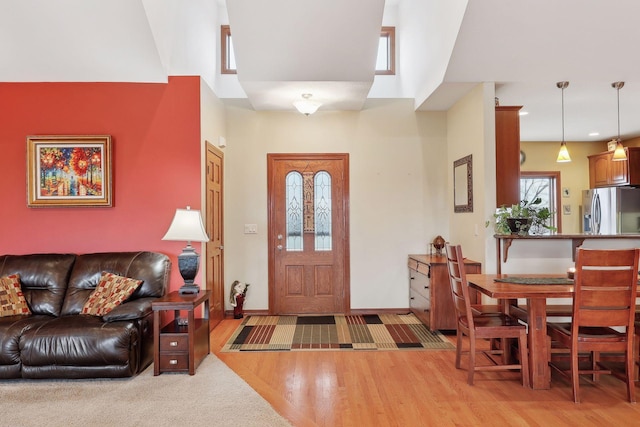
187	226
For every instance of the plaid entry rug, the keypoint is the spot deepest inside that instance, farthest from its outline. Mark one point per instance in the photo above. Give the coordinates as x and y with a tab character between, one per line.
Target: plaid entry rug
338	332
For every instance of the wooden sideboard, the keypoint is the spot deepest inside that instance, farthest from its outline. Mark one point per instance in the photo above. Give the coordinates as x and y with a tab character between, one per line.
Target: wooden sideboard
430	291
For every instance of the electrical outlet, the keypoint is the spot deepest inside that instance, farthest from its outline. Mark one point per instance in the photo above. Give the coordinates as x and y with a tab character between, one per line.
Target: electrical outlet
251	229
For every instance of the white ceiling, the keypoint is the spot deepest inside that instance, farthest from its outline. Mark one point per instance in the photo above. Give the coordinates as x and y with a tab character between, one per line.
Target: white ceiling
288	47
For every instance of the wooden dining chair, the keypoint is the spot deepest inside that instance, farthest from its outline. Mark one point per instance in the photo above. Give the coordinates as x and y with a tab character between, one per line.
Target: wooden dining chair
636	349
477	327
603	316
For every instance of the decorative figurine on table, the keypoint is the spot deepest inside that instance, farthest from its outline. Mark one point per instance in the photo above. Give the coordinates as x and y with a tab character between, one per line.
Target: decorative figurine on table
438	245
237	296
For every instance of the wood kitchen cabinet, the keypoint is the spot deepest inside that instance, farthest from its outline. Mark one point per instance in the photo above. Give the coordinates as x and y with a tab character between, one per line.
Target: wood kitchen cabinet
430	291
604	172
507	155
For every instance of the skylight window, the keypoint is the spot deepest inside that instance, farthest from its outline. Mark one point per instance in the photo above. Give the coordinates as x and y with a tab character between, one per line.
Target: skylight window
385	62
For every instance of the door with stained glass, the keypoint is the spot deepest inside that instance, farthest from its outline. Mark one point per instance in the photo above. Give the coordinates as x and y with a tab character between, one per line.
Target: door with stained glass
308	233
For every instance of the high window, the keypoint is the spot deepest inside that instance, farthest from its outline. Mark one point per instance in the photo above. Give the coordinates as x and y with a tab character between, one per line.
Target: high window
386	62
228	58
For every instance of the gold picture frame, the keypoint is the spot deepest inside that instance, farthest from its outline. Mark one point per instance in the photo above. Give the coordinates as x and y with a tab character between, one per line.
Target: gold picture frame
69	171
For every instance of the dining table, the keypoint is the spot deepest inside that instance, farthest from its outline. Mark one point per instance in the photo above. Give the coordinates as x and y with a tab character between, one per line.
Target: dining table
536	289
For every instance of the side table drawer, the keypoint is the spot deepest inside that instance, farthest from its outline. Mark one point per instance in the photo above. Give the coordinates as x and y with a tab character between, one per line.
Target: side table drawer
174	362
174	342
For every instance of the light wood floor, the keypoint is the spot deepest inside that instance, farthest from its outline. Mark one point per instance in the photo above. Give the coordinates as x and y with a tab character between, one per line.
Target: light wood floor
414	388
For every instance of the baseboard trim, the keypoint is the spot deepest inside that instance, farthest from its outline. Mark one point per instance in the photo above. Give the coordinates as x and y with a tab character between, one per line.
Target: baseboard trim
353	312
367	311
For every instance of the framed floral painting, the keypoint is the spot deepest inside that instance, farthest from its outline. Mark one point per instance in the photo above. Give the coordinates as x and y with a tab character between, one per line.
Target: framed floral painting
69	171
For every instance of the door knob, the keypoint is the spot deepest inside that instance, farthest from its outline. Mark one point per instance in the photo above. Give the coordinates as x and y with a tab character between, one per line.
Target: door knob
279	247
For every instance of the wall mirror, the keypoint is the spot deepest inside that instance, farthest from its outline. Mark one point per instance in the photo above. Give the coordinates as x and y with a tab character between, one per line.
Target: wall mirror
463	185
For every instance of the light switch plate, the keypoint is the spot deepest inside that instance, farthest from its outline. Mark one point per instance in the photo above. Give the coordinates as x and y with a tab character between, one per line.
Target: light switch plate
251	229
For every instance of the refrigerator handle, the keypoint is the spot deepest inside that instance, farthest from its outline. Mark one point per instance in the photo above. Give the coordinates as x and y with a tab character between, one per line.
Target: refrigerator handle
596	216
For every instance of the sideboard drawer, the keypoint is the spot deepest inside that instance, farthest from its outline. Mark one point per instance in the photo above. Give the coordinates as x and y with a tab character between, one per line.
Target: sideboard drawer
420	284
418	301
424	269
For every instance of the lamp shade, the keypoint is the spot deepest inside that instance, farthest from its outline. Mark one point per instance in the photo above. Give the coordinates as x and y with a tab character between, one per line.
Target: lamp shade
563	154
187	226
619	153
306	106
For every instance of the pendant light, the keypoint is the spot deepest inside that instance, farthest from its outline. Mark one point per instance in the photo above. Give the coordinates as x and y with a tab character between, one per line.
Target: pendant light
619	153
563	154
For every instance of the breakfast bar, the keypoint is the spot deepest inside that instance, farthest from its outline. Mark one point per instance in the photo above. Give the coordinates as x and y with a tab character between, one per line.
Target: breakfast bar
561	248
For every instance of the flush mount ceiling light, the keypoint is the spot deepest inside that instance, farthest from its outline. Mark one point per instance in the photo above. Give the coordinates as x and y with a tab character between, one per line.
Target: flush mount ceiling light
563	154
306	106
619	153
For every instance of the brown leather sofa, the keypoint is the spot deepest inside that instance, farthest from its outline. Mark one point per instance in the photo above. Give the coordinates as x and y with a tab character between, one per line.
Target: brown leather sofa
56	341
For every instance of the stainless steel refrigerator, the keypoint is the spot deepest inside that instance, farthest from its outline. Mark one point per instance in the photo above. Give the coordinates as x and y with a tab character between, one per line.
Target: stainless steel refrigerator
611	210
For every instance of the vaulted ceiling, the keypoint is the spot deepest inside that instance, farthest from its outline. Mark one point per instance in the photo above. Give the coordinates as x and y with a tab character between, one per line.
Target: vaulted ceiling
288	47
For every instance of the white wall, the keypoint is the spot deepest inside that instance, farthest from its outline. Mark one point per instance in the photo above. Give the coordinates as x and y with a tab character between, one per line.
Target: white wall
471	130
212	127
398	181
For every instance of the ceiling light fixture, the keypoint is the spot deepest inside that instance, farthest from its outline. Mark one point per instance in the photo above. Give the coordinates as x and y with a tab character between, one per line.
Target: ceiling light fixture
563	154
306	106
619	153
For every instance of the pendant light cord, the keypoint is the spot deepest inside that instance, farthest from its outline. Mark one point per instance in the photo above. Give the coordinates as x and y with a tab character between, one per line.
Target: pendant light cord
563	113
618	92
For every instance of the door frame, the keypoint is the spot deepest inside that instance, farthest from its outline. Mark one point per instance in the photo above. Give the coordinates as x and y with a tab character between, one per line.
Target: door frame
272	232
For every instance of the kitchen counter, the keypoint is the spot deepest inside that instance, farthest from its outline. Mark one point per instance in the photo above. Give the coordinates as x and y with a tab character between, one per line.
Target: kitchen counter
504	242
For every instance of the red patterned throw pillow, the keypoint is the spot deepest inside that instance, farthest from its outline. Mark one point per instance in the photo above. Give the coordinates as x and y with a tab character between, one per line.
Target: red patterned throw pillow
12	301
112	290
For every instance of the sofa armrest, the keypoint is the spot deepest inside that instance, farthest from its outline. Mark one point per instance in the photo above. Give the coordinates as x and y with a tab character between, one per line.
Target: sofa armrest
130	310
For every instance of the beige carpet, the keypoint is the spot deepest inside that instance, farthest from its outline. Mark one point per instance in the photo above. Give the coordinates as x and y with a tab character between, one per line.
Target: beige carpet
215	396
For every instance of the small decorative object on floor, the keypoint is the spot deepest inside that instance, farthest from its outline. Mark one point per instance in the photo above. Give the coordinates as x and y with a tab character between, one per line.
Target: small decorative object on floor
438	244
237	296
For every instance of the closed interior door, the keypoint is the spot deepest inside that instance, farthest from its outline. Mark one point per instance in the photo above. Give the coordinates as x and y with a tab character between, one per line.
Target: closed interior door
215	254
308	233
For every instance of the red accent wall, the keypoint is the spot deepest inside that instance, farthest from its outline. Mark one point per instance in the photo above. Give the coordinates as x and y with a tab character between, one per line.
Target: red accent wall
155	131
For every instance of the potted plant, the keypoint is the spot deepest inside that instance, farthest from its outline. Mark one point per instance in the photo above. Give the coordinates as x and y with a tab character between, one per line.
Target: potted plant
523	217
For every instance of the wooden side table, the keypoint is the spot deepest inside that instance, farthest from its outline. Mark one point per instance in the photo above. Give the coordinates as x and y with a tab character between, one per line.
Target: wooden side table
180	346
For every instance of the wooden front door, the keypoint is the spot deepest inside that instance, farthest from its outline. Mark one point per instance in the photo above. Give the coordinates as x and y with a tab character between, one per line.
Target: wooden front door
308	233
215	254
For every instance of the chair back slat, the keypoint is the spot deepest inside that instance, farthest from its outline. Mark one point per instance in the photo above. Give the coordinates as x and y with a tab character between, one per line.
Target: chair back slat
605	288
604	317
